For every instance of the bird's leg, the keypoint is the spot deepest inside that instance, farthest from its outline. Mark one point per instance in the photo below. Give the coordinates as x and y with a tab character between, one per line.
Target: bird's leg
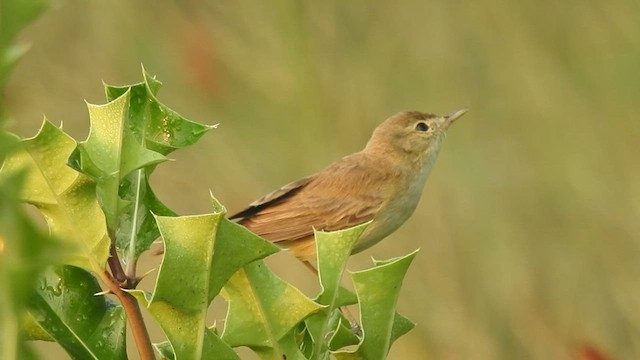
355	325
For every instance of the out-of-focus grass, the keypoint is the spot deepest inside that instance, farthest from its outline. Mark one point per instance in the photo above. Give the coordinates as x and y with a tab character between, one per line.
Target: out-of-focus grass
529	224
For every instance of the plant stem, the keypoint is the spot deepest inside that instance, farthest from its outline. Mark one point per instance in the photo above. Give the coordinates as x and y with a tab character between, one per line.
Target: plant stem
115	265
134	315
115	282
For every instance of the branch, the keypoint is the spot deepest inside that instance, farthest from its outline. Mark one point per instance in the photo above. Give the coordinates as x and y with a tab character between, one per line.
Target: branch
115	265
115	283
132	309
126	281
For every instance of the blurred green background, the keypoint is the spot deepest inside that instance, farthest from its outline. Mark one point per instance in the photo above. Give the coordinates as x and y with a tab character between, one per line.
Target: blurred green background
529	225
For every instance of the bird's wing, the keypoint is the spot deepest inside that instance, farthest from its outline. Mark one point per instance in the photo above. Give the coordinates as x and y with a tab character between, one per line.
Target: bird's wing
321	202
272	198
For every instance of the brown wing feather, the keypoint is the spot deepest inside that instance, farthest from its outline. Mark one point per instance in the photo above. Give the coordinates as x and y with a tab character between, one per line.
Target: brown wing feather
272	198
340	196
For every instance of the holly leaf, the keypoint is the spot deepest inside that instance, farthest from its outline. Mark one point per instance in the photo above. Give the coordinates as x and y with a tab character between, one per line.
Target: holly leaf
85	325
235	247
66	198
377	290
110	155
181	295
333	251
129	136
160	128
343	336
263	309
201	254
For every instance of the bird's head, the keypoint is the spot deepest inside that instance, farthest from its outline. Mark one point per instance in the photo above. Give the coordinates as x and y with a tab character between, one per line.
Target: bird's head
413	133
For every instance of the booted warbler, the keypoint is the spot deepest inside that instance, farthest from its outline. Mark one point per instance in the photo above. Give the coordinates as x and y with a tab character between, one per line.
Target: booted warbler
382	184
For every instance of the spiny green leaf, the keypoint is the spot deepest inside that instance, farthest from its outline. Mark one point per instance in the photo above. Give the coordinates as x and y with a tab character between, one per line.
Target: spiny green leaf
129	136
262	309
87	326
136	218
111	153
66	198
181	296
289	345
182	292
162	129
377	289
343	336
215	348
345	297
333	249
401	326
188	242
210	346
201	254
235	247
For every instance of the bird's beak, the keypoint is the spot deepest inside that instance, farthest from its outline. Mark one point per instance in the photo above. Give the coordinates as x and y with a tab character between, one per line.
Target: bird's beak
451	118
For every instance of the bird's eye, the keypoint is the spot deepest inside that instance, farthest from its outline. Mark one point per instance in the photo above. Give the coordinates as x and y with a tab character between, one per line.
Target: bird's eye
422	126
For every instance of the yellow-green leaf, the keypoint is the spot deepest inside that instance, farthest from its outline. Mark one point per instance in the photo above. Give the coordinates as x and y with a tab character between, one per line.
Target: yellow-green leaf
334	249
377	289
201	253
262	309
66	198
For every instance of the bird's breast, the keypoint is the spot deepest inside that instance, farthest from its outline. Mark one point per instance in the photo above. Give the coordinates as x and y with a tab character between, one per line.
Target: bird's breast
397	209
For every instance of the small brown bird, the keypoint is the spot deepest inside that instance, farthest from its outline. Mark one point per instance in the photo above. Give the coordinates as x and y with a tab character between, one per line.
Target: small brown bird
382	184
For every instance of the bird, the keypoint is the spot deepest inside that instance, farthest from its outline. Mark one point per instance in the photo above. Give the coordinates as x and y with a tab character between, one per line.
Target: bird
381	184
